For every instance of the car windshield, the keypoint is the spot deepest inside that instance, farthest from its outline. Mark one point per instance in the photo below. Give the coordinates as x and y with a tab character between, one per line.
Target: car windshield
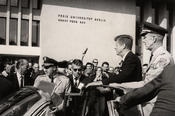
16	97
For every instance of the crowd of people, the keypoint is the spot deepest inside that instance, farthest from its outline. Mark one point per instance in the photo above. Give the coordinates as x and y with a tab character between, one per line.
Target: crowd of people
56	78
150	92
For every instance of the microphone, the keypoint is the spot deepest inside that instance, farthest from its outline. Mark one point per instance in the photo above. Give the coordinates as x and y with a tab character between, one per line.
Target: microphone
85	51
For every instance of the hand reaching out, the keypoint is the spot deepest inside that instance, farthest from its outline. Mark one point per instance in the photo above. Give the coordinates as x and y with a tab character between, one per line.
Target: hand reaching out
115	85
97	83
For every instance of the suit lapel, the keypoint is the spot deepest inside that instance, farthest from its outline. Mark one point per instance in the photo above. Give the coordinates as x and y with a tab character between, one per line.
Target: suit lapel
127	56
71	80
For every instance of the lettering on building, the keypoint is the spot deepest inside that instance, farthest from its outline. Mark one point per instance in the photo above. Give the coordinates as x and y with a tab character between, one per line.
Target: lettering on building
74	19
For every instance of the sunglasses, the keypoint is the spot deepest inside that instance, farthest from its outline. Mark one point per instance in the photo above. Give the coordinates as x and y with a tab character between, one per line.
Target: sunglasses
77	70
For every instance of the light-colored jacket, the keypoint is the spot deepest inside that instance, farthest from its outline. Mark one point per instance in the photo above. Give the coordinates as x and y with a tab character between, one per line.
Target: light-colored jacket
57	89
161	58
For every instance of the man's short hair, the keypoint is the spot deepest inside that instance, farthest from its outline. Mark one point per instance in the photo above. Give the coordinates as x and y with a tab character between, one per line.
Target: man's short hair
125	39
77	62
105	63
20	63
95	61
88	63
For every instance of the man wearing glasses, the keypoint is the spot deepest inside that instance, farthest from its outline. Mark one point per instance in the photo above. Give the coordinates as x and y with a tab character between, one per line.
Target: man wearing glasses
78	80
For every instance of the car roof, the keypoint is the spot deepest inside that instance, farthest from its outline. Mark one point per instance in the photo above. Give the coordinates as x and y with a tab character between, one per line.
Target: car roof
15	97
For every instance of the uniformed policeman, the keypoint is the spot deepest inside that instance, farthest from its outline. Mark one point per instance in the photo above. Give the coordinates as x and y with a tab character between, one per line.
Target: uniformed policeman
153	39
53	83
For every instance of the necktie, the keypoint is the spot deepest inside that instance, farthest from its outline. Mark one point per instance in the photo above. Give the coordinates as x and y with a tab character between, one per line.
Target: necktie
151	57
22	81
121	63
76	82
51	78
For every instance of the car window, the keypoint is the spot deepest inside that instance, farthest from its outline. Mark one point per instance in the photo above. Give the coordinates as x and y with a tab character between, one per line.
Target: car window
23	106
19	101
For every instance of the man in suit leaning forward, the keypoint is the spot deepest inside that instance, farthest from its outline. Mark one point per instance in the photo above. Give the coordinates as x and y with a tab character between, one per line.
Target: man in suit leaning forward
130	69
131	66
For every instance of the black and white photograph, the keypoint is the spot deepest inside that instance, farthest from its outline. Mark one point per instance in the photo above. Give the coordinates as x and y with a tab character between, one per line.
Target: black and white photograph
87	58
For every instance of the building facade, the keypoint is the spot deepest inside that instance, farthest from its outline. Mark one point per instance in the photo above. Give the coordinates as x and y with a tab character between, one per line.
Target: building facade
63	29
20	29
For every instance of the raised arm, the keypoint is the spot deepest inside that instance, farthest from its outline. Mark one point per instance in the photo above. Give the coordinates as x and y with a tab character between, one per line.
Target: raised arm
142	94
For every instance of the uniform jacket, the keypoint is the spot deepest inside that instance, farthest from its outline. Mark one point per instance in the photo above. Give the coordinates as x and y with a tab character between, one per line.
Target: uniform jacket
58	88
163	87
130	71
61	83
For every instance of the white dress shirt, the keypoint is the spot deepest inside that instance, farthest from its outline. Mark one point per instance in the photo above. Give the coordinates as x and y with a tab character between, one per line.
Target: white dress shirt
19	77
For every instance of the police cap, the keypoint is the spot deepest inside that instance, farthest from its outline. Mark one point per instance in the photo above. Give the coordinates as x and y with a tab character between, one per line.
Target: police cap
49	61
152	28
63	64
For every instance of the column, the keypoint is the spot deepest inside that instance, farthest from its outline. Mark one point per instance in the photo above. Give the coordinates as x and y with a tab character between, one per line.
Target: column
8	23
173	35
30	23
163	15
19	24
147	17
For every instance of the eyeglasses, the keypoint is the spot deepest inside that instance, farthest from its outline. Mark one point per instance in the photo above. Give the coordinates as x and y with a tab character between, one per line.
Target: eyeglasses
77	70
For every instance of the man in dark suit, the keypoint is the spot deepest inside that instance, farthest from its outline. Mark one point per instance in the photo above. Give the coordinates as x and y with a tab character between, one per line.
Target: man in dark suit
78	81
130	67
162	86
17	78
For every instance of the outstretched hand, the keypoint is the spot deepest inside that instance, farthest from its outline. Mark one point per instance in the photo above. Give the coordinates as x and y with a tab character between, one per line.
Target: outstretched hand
97	83
120	86
115	85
